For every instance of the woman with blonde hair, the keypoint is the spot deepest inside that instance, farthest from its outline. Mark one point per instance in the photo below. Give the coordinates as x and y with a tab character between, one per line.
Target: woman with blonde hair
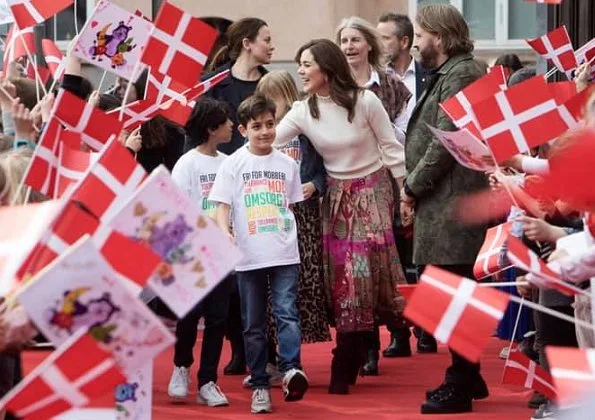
280	87
361	44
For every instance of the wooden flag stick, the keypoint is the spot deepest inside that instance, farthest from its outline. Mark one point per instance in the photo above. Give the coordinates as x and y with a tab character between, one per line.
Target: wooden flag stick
514	330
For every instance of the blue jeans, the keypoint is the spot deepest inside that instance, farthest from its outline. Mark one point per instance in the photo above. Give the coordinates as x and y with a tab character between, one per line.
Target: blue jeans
253	296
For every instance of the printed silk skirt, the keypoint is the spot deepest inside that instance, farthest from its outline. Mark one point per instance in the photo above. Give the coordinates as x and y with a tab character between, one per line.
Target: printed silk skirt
360	260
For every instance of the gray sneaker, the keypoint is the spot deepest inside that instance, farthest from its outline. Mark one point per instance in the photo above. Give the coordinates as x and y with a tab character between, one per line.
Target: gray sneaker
261	401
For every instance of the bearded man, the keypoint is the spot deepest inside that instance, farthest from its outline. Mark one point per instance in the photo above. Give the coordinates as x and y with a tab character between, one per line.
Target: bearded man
434	180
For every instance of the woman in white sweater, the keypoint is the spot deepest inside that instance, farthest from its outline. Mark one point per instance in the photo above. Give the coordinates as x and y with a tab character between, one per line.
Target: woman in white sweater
352	132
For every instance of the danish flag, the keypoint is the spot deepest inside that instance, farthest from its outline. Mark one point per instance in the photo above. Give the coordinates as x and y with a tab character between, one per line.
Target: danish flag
562	91
78	372
177	106
489	260
17	43
573	371
53	58
41	172
72	166
71	225
524	116
586	54
556	47
31	12
459	107
455	311
110	181
543	276
22	226
520	370
179	45
95	126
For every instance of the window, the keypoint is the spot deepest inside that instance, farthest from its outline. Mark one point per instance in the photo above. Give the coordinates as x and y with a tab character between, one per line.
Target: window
61	27
494	24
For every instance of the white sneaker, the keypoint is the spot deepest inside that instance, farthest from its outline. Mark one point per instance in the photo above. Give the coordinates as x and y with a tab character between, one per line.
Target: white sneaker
261	401
211	395
295	385
275	380
178	384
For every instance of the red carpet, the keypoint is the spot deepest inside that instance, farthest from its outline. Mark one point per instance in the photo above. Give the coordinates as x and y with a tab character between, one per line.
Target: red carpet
395	394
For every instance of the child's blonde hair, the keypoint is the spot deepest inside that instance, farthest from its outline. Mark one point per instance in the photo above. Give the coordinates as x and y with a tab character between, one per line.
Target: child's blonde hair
278	84
14	164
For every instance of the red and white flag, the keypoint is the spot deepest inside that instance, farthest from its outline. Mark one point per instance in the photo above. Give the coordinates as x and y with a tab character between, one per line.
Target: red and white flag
74	375
95	126
17	43
524	116
562	91
489	261
573	371
72	224
110	182
72	167
177	107
543	276
31	12
586	54
22	227
53	58
556	47
455	311
179	45
41	172
460	107
520	370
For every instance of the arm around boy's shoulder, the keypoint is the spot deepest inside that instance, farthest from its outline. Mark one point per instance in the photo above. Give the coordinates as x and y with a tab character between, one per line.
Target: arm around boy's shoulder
312	166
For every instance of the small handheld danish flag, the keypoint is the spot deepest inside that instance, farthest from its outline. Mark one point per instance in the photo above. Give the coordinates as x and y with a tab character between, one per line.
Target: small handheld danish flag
455	311
524	116
53	58
95	126
556	47
459	107
110	181
31	12
179	45
17	43
543	276
489	260
520	370
75	374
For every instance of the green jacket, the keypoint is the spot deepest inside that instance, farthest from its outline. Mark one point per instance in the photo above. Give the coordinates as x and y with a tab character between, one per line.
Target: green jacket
435	177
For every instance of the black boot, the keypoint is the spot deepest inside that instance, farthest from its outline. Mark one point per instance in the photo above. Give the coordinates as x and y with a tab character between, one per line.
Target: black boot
340	365
426	343
449	399
370	367
399	344
476	388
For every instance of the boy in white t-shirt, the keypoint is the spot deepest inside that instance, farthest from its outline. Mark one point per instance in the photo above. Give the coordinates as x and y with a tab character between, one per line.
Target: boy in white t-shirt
194	173
259	184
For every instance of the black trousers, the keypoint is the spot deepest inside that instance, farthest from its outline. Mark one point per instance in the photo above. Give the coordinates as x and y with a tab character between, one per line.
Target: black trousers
461	371
234	330
214	308
552	331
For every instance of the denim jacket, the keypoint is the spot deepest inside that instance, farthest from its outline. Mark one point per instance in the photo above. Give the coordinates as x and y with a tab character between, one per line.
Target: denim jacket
312	169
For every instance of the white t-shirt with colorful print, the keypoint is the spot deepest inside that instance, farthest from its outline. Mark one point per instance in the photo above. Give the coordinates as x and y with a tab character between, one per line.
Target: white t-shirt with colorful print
260	190
195	174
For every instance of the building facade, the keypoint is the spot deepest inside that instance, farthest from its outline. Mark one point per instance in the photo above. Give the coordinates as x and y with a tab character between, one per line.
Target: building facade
498	26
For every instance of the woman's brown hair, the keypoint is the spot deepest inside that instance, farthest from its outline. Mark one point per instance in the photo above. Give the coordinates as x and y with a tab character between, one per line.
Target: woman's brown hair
344	90
449	24
246	28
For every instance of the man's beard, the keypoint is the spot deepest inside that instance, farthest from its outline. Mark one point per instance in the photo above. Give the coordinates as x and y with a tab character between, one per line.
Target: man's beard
427	57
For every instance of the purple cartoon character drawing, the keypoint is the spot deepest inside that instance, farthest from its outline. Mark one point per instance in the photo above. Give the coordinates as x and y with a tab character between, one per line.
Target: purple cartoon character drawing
168	242
96	314
113	45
